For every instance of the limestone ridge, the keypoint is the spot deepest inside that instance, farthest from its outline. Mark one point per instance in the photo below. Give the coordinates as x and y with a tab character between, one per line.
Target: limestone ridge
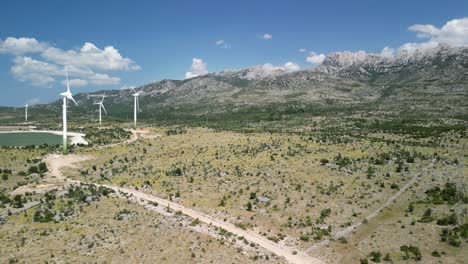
439	73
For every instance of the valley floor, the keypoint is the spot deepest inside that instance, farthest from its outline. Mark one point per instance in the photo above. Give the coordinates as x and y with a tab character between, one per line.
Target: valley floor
251	197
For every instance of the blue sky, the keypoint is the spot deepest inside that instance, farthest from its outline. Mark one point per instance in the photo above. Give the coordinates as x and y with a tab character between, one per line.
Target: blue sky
157	40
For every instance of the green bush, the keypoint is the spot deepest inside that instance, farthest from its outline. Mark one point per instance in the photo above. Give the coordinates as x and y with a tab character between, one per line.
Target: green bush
375	256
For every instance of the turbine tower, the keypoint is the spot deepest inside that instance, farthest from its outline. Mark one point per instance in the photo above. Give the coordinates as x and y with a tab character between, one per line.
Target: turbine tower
101	106
26	113
66	96
136	105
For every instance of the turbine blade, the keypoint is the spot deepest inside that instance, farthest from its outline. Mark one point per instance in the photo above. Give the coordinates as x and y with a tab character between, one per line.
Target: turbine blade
71	98
103	108
68	84
133	89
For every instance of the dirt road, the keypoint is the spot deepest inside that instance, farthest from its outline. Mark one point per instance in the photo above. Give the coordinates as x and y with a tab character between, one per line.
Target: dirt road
56	162
346	231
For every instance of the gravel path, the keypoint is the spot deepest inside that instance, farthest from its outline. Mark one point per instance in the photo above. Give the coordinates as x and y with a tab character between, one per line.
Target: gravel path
292	255
346	231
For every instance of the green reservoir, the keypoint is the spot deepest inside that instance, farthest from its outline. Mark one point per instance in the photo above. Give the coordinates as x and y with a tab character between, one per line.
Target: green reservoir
27	139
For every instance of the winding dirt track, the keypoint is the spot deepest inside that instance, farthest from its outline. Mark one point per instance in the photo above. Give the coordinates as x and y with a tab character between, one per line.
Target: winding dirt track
292	255
56	162
346	231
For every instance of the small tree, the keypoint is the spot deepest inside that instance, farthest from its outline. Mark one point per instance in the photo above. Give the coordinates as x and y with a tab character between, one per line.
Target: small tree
42	167
17	201
249	206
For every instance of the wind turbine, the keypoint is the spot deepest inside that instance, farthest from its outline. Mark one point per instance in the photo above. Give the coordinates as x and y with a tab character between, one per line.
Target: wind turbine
26	113
101	106
136	105
66	96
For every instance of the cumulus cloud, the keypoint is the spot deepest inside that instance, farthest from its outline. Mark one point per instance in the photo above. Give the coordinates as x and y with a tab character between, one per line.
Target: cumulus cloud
412	46
266	36
387	52
40	73
126	87
198	68
291	66
91	57
454	32
83	64
33	101
76	82
287	67
315	58
19	46
36	72
302	50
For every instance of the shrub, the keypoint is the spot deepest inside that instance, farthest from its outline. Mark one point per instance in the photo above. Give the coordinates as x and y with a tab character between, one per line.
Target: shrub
387	257
249	206
42	167
447	220
33	169
17	201
324	161
413	250
43	216
427	216
375	256
410	208
195	222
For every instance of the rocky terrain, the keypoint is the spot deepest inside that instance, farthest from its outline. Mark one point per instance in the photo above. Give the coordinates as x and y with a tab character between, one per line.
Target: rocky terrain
431	80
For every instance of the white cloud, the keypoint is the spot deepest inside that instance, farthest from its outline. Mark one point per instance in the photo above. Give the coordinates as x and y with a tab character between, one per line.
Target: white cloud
291	66
103	79
266	36
302	50
412	46
126	87
223	44
33	101
387	52
198	68
19	46
75	82
287	67
315	58
91	57
454	32
82	64
38	73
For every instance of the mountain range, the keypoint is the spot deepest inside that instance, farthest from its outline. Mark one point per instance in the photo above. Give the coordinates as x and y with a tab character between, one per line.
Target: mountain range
429	80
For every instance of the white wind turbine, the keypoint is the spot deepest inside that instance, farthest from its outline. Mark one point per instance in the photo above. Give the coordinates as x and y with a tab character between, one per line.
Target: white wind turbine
136	105
101	107
26	113
66	96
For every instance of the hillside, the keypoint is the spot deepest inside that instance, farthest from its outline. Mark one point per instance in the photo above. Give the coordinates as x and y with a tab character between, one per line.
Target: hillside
431	81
